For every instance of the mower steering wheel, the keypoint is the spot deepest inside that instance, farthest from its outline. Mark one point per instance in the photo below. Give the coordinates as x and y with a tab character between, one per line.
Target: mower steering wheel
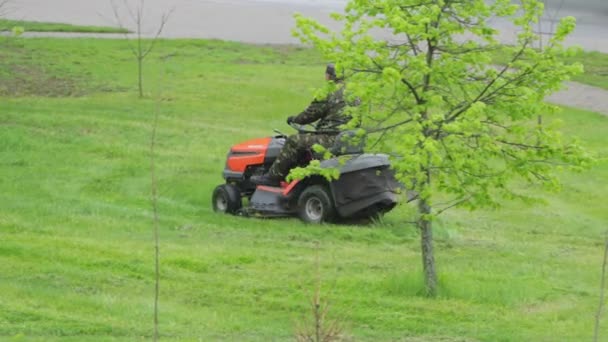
307	128
279	134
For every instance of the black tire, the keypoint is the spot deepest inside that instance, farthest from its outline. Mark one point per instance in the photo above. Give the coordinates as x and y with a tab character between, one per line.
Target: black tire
315	205
226	199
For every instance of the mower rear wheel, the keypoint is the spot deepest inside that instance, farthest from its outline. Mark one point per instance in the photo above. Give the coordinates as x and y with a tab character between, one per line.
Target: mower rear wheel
226	199
315	205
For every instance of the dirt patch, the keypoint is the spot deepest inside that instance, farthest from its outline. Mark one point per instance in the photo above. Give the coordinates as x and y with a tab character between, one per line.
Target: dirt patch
33	81
23	77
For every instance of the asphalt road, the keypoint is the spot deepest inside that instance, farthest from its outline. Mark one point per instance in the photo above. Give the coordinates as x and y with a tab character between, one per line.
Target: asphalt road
271	21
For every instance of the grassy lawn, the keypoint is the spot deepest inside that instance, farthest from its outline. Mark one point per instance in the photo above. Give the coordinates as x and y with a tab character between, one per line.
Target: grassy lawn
596	68
595	63
36	26
76	245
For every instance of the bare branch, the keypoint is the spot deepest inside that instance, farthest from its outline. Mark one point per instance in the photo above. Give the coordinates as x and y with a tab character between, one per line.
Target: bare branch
391	126
380	138
4	9
396	46
455	204
163	22
510	84
366	71
547	161
487	175
495	124
419	100
139	19
139	51
122	26
409	7
129	10
116	15
521	145
539	176
467	22
380	67
413	46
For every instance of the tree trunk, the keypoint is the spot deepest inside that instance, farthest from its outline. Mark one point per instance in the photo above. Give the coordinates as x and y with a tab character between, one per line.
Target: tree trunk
426	242
140	62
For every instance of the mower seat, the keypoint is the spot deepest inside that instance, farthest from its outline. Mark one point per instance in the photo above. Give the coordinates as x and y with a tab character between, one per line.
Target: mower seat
347	143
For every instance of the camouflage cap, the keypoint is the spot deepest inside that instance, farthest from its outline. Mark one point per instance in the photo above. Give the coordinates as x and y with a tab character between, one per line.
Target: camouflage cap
331	70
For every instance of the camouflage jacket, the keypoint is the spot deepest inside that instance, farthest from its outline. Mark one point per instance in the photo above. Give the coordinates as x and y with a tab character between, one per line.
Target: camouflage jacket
328	112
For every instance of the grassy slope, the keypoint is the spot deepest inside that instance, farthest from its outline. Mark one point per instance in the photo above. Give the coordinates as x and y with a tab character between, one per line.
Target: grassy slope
596	68
595	63
36	26
76	256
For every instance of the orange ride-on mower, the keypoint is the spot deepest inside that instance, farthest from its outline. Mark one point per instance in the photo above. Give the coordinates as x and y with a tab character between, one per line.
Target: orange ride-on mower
365	189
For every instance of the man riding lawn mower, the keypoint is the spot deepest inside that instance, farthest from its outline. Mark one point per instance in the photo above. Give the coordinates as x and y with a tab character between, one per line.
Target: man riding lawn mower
255	170
328	114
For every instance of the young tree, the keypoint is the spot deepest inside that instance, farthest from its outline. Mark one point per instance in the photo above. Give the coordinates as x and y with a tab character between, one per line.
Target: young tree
142	48
459	128
4	8
155	221
551	16
600	308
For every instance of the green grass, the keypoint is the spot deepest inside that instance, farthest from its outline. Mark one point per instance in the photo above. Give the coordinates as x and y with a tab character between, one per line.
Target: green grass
596	68
76	245
36	26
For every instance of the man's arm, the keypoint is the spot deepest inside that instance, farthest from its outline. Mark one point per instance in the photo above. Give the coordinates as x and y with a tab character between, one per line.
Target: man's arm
315	111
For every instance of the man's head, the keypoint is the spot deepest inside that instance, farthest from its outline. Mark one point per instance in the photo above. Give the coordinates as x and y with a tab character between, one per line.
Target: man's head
330	72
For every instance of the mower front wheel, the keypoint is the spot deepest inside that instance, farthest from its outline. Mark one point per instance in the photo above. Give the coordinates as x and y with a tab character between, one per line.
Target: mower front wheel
315	205
226	199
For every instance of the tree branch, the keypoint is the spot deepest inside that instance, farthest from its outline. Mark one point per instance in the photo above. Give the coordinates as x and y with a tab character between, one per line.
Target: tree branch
164	19
356	70
457	203
521	145
413	46
539	176
122	26
391	126
495	124
413	90
130	11
4	10
452	117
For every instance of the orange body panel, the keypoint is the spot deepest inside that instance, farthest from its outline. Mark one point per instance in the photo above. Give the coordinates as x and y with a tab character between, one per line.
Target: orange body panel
251	152
290	186
285	188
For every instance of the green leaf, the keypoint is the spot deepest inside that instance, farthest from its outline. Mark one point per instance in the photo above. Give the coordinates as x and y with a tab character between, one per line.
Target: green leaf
18	31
